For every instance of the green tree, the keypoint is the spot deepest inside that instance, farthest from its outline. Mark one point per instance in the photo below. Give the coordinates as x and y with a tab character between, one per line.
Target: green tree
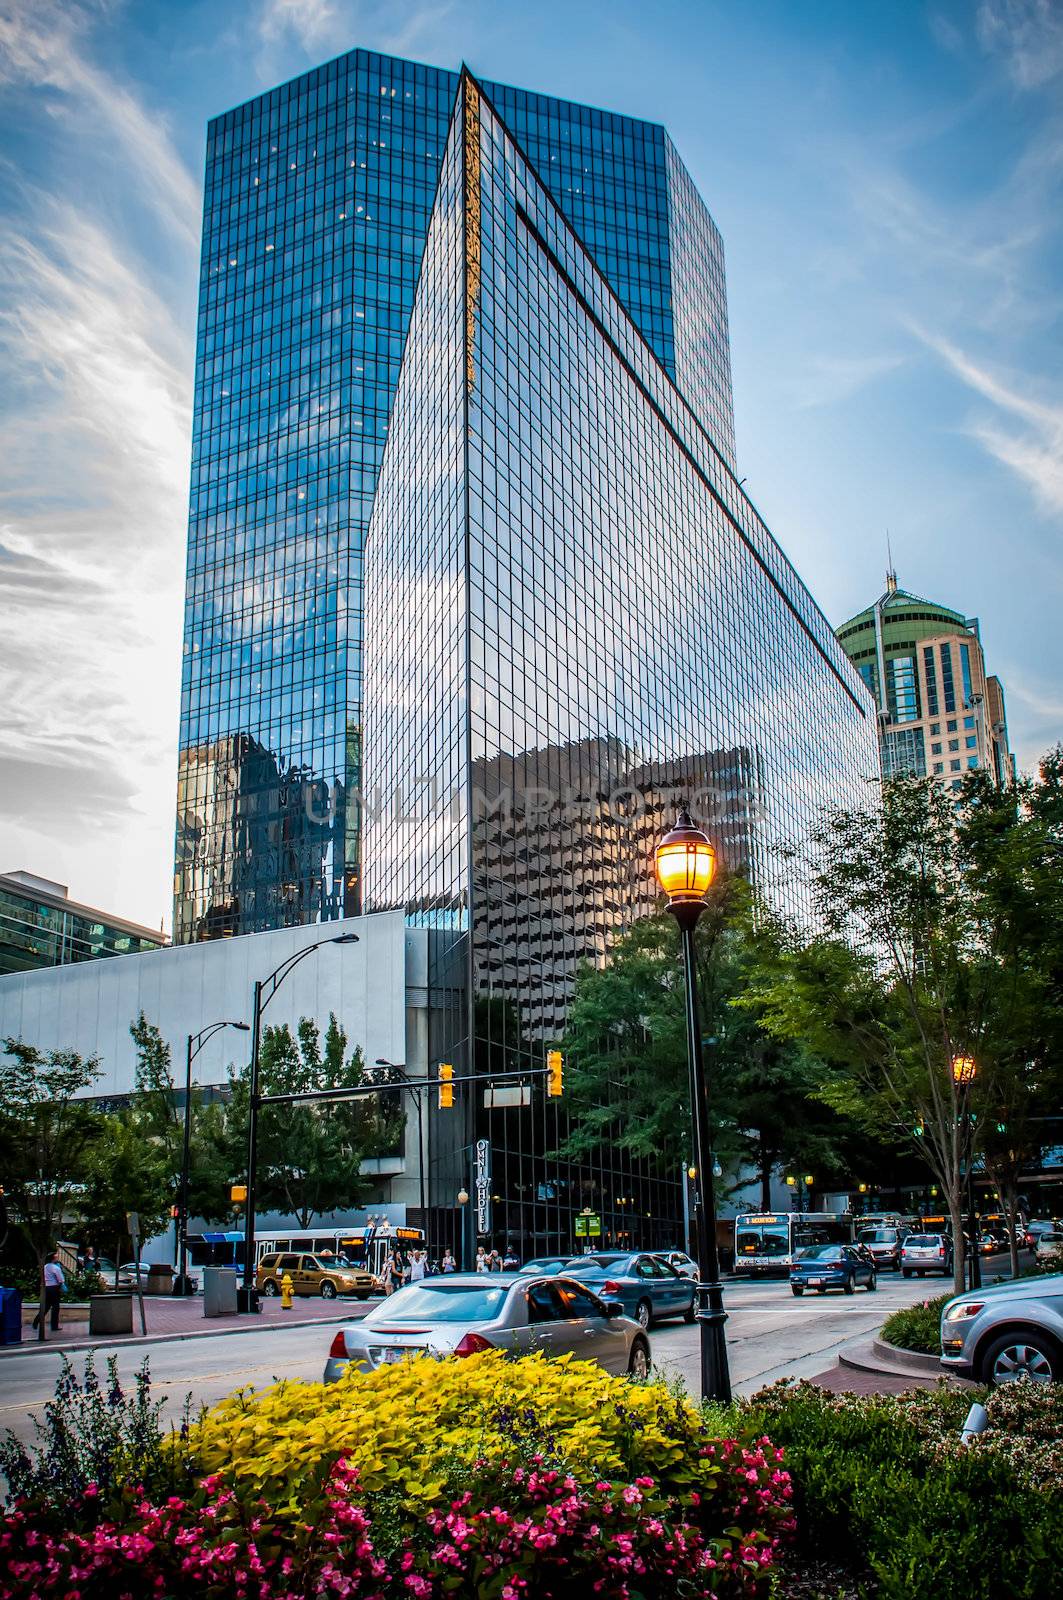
124	1172
930	949
46	1131
309	1157
155	1104
626	1053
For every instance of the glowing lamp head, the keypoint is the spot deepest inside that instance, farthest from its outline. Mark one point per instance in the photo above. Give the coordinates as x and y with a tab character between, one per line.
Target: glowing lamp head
964	1070
685	862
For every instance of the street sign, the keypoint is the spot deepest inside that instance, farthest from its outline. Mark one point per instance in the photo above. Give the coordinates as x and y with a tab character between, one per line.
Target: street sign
588	1227
509	1095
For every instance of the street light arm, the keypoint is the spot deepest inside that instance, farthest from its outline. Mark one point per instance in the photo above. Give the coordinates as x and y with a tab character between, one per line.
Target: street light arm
198	1040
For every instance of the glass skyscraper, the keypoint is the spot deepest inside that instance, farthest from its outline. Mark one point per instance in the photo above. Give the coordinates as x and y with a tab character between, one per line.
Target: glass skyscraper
316	210
574	616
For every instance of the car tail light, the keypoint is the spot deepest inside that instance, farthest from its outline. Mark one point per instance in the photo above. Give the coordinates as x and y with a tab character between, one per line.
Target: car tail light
471	1344
610	1286
338	1347
941	1249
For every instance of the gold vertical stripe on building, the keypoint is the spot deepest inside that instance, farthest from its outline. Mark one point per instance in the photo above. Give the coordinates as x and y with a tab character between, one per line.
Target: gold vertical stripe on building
472	224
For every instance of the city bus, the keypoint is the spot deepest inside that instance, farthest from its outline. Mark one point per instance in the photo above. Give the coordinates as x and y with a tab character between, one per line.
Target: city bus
767	1241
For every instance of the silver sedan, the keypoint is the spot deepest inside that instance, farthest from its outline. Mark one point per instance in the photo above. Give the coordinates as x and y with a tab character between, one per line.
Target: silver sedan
463	1313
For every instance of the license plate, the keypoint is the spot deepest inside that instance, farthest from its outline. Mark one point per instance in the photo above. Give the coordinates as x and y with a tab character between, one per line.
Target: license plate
815	1282
394	1353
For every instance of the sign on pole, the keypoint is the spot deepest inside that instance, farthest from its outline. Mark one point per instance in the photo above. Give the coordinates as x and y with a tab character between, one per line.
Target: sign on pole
588	1226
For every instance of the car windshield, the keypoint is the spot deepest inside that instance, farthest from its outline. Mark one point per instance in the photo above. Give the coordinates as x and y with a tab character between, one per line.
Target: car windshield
544	1264
597	1263
877	1235
440	1301
821	1252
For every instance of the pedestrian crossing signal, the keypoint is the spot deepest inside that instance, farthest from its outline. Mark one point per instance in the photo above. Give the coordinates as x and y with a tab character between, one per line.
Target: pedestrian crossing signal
446	1087
555	1073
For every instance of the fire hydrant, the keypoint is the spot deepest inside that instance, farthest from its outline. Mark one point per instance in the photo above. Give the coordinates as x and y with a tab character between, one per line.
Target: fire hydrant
286	1292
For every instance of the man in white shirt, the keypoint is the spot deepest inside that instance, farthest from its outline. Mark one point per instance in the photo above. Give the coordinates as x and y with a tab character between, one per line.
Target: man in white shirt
54	1284
418	1266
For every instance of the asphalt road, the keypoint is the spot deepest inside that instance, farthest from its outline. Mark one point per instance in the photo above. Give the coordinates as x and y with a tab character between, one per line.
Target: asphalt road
770	1334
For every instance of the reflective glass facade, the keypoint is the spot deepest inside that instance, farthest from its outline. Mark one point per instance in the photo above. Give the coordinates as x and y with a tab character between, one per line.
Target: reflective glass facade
316	208
41	927
574	616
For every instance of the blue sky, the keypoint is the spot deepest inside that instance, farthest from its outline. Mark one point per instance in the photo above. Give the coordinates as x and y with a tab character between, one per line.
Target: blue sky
887	177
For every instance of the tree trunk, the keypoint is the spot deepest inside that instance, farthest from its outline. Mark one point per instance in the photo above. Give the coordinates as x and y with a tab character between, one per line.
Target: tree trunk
41	1335
959	1249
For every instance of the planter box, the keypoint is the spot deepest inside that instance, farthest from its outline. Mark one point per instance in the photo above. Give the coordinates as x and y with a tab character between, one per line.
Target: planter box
111	1313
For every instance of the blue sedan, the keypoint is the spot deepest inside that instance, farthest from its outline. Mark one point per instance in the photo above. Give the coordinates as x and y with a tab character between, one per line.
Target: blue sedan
648	1289
831	1266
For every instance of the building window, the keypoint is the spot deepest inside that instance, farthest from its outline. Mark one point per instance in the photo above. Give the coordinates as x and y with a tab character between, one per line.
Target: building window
939	766
968	722
972	761
950	727
948	687
965	668
935	749
954	766
971	742
903	691
935	727
954	744
931	684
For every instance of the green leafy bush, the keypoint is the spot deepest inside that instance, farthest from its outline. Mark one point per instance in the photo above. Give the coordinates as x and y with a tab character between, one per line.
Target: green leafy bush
79	1285
917	1327
885	1481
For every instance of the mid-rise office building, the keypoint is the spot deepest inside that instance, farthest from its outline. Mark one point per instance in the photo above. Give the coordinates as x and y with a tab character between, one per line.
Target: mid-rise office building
40	926
940	713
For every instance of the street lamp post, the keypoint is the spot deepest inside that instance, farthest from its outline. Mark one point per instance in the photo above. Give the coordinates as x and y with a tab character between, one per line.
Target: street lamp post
196	1041
417	1090
686	866
964	1072
264	992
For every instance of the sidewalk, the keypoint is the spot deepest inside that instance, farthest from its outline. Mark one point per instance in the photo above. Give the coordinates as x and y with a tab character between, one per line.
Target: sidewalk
874	1367
169	1318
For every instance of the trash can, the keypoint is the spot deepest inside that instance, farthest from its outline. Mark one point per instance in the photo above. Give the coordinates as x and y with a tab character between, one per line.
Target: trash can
247	1299
160	1278
10	1316
110	1313
219	1292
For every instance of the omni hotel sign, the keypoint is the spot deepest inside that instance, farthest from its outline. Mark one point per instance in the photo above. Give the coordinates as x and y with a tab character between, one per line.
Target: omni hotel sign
483	1186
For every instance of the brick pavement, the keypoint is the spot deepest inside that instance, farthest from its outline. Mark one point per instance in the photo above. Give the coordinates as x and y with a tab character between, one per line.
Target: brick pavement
169	1318
850	1380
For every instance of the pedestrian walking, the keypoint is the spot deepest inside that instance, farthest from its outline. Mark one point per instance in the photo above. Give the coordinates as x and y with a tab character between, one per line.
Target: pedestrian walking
448	1264
511	1261
481	1259
54	1284
386	1276
418	1266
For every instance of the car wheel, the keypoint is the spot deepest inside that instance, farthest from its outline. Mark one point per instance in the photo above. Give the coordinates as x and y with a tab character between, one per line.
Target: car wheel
872	1284
638	1364
920	1273
821	1291
797	1289
363	1294
689	1314
328	1290
643	1313
906	1272
850	1284
270	1287
1019	1355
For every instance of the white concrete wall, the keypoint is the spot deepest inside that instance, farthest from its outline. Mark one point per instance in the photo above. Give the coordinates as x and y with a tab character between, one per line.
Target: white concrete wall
375	987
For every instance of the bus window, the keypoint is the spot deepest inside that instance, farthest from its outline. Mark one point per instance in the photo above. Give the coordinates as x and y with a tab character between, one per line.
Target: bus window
762	1239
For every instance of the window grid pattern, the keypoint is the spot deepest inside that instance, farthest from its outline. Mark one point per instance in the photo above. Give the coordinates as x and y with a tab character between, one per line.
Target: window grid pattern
316	209
632	633
699	297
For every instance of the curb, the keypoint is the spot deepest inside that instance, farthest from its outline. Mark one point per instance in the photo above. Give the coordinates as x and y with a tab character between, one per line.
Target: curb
871	1357
125	1341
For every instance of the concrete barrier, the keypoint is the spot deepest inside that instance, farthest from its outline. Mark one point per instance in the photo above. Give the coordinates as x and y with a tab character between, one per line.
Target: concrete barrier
110	1313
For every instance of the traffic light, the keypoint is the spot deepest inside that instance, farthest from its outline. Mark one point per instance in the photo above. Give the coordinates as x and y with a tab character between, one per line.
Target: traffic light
446	1087
555	1074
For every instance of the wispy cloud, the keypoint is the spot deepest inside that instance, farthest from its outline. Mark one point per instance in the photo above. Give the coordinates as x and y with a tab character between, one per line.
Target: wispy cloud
1027	34
42	46
1034	451
322	27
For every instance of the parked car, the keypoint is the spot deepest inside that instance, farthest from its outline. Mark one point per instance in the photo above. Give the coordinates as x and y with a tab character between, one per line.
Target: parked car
463	1313
127	1275
648	1289
926	1252
543	1264
310	1275
1007	1331
884	1245
831	1266
1040	1225
1048	1245
683	1264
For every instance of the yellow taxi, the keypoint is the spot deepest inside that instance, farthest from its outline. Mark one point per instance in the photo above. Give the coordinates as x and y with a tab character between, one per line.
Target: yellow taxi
321	1275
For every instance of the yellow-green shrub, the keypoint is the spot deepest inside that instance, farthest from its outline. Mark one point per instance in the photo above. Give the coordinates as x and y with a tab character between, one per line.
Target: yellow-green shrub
403	1427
